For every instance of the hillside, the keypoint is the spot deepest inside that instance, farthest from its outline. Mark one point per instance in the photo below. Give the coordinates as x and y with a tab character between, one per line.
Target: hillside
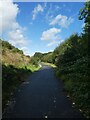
43	57
16	67
13	56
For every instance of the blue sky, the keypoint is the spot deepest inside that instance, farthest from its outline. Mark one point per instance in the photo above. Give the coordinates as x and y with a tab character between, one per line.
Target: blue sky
40	27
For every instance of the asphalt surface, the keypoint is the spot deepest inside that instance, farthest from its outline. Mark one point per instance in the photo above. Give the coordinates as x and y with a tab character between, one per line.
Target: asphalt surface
41	96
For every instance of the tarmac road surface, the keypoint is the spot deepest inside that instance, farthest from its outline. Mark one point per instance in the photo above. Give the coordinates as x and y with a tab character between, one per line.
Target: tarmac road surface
41	96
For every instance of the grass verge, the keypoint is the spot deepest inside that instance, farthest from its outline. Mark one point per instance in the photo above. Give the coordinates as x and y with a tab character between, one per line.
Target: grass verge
49	64
12	77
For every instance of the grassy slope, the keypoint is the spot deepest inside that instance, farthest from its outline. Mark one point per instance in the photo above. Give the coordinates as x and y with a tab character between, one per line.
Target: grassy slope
16	67
33	67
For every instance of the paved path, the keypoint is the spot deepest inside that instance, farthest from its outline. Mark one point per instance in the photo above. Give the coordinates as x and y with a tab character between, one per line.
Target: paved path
41	96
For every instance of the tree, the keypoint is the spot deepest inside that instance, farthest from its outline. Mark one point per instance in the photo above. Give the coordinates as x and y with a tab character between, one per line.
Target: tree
85	14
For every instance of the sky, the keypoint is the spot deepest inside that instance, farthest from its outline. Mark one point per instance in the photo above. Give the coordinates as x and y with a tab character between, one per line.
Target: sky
39	26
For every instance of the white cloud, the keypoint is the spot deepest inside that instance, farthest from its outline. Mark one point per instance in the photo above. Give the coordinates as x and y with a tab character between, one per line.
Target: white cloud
8	12
26	50
8	24
61	20
17	38
50	12
53	43
37	10
52	36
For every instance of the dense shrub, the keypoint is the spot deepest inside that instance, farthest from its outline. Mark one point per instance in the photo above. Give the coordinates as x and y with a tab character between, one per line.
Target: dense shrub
72	60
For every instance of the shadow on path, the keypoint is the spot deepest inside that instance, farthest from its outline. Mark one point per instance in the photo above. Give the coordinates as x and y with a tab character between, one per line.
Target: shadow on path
41	96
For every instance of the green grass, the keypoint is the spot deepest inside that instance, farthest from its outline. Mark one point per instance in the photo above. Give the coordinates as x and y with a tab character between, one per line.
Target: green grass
50	64
33	68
